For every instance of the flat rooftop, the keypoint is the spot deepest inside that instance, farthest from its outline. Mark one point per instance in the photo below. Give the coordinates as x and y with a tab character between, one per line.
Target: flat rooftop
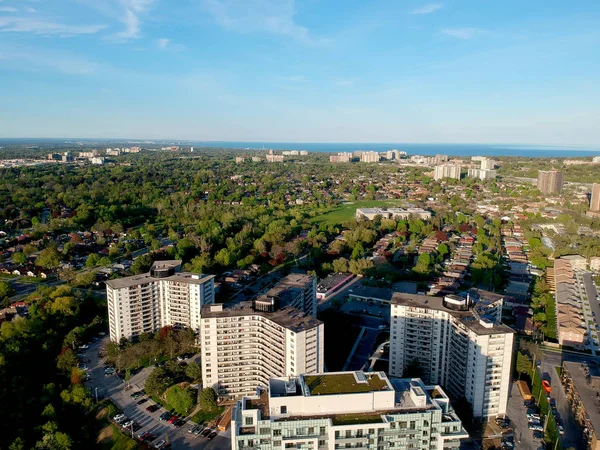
144	278
332	280
468	318
587	392
287	317
345	383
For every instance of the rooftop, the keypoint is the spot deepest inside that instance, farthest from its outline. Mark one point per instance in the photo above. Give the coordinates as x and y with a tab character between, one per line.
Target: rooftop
468	318
144	278
287	317
345	383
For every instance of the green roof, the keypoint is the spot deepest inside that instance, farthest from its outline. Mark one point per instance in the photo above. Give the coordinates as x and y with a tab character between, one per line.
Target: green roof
352	419
343	383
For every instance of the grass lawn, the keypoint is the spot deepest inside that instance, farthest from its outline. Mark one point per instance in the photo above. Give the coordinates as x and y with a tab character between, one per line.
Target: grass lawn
111	437
345	212
206	416
34	280
350	419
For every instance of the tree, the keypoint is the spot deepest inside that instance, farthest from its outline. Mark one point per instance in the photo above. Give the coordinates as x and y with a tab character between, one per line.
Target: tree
194	372
141	264
340	265
49	258
19	258
92	260
6	290
524	363
182	400
443	249
157	382
67	361
208	399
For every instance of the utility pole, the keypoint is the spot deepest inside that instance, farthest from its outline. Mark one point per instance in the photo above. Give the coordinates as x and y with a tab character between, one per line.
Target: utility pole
96	395
131	430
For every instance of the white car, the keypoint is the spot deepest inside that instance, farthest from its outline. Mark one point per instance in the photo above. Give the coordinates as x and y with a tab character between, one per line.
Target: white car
160	444
561	430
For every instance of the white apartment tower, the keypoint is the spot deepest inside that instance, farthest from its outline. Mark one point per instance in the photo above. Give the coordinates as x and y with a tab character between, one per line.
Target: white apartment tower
457	345
296	290
447	171
246	344
147	302
336	410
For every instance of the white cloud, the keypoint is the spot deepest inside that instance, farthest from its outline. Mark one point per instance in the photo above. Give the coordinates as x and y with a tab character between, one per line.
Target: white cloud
462	33
427	9
129	15
167	44
162	43
8	9
15	24
29	9
270	16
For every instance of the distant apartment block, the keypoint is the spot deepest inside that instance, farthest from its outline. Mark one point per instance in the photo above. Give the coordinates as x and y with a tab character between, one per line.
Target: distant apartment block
340	410
595	199
488	164
550	182
246	344
392	213
97	160
90	154
596	159
343	157
447	171
482	174
393	155
164	296
369	157
458	344
274	158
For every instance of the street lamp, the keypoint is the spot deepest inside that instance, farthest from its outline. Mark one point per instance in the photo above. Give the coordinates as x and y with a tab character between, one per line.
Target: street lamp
96	395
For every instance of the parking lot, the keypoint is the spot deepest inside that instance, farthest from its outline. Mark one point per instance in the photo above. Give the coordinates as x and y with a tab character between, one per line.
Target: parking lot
114	388
517	413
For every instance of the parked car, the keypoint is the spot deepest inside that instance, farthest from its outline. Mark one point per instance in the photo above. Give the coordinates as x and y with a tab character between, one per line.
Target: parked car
178	423
172	419
561	430
206	432
546	386
199	429
142	401
212	435
152	408
165	416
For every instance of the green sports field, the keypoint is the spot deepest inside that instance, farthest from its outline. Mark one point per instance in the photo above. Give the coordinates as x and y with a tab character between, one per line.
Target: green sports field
347	211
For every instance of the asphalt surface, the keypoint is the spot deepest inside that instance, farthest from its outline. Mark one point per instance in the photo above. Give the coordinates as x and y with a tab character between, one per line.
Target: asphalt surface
517	413
114	388
572	436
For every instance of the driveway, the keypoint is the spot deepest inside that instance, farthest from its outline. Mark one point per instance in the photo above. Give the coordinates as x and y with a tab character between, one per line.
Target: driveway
114	388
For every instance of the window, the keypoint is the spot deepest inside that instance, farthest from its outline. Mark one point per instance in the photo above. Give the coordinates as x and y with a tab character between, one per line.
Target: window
248	421
311	431
283	409
322	431
276	432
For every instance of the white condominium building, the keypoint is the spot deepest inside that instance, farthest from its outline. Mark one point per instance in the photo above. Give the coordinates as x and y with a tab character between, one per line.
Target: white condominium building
246	344
297	290
482	174
145	303
456	344
447	171
338	410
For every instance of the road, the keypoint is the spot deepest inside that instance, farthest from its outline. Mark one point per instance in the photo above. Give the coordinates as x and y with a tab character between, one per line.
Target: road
113	387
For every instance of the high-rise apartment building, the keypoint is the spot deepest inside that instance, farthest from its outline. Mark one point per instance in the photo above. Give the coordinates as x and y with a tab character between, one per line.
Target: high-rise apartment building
595	200
482	174
457	344
164	296
342	157
246	344
337	410
298	291
487	164
369	157
550	181
447	171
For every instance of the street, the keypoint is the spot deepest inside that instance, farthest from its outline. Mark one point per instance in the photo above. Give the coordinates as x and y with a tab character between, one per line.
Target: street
112	387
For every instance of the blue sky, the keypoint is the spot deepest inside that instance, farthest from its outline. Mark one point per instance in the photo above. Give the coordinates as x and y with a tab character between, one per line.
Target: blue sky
481	71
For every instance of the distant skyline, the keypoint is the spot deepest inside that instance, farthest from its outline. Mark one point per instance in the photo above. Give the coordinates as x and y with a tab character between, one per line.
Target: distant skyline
458	71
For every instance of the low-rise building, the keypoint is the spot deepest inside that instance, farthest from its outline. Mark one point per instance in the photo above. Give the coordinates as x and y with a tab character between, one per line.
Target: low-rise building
346	410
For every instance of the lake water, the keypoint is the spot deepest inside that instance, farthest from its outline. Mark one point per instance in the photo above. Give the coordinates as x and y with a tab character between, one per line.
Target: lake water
529	151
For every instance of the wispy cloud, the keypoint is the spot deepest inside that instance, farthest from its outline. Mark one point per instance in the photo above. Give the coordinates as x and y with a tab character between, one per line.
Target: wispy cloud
167	44
462	33
31	59
14	24
8	9
427	9
129	16
270	16
346	82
